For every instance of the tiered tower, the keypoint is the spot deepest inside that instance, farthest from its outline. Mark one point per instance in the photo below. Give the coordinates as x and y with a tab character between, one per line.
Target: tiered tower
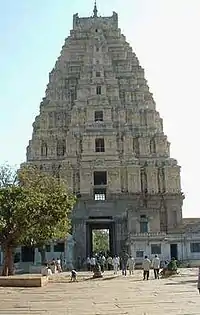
98	129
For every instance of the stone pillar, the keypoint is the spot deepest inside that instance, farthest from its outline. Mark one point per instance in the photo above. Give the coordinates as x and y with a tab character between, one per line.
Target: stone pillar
152	182
172	179
144	144
161	145
114	180
85	181
69	252
128	145
150	118
118	235
67	174
134	180
79	236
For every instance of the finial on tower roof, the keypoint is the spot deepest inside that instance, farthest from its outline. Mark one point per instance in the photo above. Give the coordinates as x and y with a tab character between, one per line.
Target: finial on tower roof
95	9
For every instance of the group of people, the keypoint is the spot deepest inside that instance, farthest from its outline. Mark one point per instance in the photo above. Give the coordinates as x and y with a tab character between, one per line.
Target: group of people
53	266
111	263
126	262
147	265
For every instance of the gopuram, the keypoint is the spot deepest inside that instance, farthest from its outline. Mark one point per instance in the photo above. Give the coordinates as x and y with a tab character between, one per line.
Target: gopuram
98	129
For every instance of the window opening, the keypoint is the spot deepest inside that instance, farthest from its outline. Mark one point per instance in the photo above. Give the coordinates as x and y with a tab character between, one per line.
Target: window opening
195	247
100	194
98	115
139	254
99	145
156	249
98	90
100	178
98	74
59	248
143	227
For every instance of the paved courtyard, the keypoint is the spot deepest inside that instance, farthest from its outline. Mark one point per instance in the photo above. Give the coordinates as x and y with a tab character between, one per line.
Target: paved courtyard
121	295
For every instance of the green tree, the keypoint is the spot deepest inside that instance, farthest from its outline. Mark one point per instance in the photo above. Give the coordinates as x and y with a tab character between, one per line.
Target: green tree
100	241
34	209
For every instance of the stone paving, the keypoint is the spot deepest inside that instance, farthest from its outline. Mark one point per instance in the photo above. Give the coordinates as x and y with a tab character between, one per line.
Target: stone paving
121	295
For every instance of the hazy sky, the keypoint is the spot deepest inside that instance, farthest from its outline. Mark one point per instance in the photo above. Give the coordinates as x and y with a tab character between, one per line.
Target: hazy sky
163	33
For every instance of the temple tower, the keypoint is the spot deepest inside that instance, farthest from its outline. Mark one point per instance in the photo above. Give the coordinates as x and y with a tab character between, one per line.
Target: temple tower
98	129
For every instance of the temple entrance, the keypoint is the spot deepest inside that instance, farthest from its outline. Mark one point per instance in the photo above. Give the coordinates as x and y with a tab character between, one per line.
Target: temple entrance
100	233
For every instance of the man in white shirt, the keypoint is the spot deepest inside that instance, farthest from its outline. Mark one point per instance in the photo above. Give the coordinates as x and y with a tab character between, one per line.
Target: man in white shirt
115	262
88	261
131	265
146	265
156	266
93	263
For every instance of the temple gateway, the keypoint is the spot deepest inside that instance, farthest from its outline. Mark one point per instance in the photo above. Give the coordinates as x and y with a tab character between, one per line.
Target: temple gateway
99	130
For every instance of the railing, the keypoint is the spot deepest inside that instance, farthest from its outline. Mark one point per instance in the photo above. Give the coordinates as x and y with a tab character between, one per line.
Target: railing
148	234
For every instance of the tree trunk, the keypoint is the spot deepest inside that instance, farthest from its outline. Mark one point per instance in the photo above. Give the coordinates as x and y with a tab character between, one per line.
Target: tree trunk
8	261
42	250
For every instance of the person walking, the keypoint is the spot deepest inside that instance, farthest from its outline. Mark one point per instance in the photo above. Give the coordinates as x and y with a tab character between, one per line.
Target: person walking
156	266
124	259
131	265
88	262
102	261
58	265
92	263
146	265
109	262
115	263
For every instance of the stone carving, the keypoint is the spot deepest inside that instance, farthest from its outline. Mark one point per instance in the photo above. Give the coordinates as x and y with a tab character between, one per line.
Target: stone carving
99	162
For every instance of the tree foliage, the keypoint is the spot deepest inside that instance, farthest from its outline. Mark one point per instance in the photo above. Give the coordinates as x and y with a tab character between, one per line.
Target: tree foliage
100	241
34	209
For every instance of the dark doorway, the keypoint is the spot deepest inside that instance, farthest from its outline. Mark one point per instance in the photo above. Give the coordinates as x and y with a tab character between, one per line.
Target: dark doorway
28	254
107	227
100	178
174	251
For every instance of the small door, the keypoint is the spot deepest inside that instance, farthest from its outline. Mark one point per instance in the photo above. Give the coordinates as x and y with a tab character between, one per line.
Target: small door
174	251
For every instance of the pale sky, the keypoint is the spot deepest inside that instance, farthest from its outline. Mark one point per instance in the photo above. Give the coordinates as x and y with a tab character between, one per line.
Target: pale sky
163	33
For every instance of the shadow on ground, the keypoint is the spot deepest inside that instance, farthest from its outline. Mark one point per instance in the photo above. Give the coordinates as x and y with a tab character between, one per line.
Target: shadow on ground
182	282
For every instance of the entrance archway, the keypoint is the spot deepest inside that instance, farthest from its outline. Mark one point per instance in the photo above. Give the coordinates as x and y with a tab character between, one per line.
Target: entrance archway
100	224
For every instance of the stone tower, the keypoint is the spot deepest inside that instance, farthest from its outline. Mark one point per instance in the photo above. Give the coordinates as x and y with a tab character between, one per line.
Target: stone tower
98	129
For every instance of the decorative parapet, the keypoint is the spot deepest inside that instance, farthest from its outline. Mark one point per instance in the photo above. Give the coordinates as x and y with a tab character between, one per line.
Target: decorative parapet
88	22
148	236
